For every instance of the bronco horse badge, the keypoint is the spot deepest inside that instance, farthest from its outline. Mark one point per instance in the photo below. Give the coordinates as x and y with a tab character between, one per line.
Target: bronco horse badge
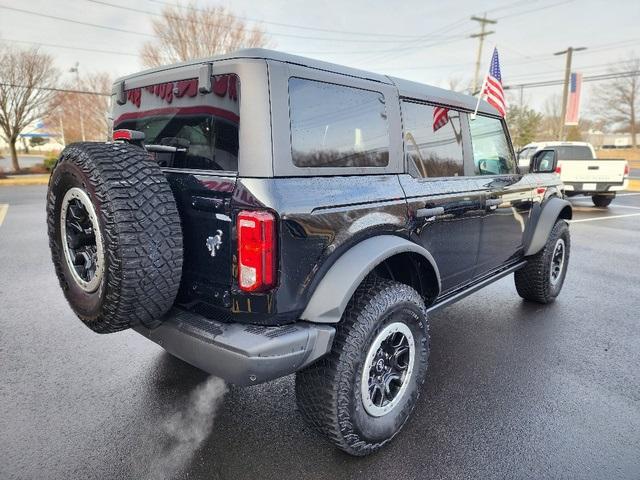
214	243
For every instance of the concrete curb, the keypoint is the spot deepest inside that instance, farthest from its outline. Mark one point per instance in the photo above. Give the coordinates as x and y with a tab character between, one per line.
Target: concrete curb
19	180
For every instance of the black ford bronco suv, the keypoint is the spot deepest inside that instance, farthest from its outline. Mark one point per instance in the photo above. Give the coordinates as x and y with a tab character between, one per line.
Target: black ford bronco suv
260	214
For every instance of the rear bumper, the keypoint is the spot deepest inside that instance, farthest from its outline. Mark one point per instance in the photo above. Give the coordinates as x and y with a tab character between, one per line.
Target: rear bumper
599	187
238	353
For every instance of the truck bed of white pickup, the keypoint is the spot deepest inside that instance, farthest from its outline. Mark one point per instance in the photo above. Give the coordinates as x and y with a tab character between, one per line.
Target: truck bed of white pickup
594	176
581	172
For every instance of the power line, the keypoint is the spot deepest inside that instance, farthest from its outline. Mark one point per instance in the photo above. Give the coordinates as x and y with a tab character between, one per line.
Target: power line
290	25
458	23
527	76
133	32
546	83
533	10
78	22
54	89
69	47
592	78
276	34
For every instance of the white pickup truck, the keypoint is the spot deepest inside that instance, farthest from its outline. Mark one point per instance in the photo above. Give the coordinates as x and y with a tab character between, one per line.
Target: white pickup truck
581	172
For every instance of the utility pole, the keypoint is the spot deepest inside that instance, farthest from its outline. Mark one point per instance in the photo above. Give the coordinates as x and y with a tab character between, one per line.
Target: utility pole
61	126
521	95
484	21
565	91
75	69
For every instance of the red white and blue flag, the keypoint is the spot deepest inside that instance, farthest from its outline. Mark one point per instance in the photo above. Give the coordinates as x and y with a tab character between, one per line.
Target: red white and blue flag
573	102
493	90
440	117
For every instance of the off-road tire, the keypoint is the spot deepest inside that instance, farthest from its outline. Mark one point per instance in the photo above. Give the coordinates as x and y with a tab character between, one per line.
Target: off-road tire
602	200
533	281
329	391
140	229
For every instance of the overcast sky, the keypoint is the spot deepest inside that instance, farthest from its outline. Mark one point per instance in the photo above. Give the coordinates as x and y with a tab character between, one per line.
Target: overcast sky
426	41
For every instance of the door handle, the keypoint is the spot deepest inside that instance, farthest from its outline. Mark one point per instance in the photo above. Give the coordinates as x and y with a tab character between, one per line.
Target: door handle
429	212
594	167
493	202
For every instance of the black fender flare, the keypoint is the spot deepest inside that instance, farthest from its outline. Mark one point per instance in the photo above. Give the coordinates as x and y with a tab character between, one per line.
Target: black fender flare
543	218
336	288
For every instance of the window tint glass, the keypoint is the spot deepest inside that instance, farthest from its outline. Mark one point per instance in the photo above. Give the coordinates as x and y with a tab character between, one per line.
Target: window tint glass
337	126
204	129
526	154
491	152
573	152
433	140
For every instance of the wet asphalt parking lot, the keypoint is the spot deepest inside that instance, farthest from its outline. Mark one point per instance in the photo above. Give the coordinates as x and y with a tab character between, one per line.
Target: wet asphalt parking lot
514	390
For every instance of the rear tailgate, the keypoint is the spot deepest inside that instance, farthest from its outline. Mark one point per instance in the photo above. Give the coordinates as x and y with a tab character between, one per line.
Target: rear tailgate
592	171
194	135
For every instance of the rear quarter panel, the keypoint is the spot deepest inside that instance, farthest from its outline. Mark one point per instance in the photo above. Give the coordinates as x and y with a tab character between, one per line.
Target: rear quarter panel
319	219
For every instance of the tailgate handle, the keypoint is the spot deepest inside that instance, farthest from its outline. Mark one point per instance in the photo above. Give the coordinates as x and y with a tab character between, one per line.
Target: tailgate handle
594	167
429	212
206	204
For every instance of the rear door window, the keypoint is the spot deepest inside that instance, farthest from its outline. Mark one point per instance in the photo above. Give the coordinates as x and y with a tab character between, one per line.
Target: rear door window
202	128
433	140
337	126
491	150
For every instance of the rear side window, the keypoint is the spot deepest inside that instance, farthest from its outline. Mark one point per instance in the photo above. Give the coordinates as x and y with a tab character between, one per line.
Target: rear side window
203	128
337	126
433	140
491	151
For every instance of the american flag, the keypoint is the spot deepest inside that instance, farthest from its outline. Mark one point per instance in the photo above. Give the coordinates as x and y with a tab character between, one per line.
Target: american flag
440	117
573	104
493	85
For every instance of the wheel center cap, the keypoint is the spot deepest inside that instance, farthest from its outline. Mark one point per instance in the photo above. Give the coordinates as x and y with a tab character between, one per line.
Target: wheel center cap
380	365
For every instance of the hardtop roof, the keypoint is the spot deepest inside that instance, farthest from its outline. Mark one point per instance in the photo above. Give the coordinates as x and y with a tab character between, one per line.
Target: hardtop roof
406	88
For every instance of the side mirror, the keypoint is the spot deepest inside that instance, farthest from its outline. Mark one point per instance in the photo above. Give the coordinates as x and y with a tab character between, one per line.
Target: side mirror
543	161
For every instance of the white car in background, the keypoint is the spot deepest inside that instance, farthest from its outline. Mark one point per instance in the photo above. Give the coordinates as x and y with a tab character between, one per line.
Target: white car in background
581	172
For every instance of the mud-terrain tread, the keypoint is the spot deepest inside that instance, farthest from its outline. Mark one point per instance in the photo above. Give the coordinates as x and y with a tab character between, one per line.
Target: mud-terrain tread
322	389
532	281
141	229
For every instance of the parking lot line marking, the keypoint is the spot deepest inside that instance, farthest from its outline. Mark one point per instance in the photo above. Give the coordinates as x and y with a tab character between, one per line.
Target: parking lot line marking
3	212
627	194
604	218
591	207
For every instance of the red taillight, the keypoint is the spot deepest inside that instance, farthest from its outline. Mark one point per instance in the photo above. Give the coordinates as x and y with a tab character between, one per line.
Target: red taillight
559	169
626	170
256	251
128	135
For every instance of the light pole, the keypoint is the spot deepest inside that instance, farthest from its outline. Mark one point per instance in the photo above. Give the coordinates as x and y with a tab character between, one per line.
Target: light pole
565	92
75	69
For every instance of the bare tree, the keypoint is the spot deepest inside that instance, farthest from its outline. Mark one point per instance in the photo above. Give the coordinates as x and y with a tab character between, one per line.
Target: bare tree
188	32
23	75
68	107
618	101
550	124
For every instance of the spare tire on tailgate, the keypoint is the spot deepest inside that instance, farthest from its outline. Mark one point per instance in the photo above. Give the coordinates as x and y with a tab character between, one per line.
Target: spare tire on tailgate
115	235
